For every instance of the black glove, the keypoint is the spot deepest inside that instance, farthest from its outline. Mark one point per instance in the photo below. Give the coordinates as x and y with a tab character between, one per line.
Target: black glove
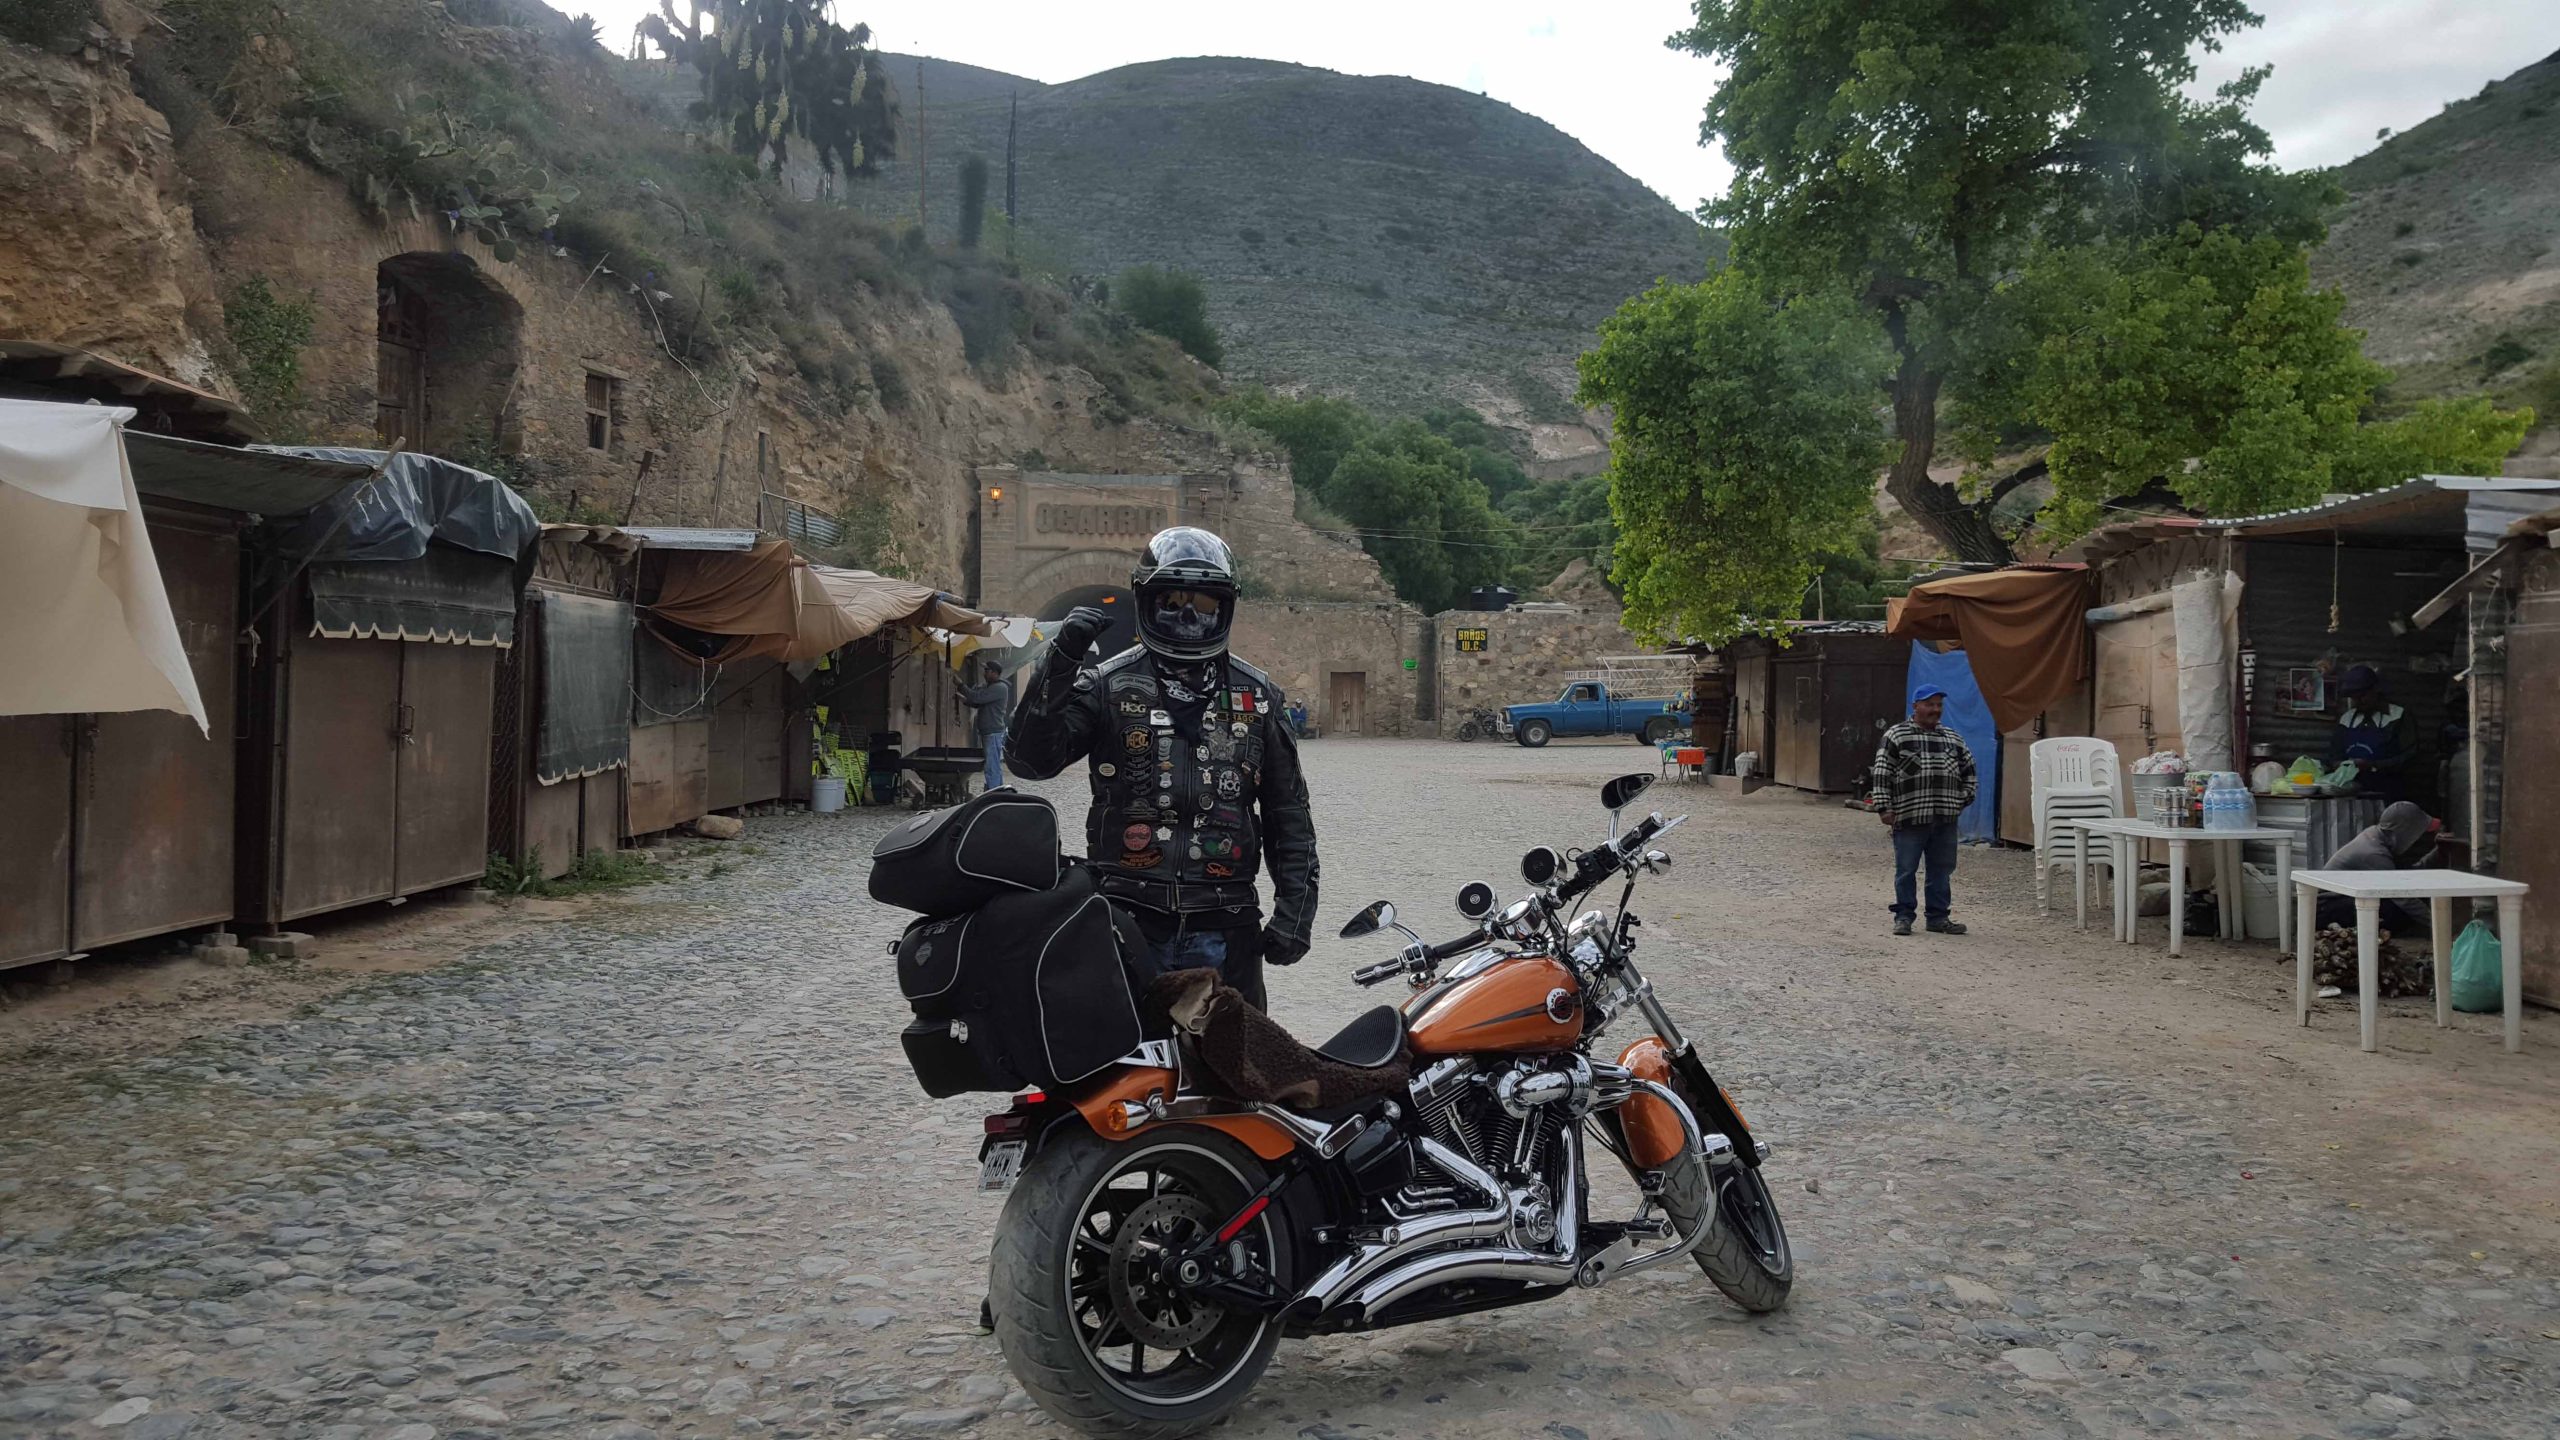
1076	633
1279	951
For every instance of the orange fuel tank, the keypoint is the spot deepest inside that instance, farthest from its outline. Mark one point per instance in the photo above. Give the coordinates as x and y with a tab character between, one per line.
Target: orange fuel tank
1513	1005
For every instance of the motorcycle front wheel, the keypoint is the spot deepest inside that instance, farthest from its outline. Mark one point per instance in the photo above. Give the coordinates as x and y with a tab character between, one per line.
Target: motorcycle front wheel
1083	1311
1747	1256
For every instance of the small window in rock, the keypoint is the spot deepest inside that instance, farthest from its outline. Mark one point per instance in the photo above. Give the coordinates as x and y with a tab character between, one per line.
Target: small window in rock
602	401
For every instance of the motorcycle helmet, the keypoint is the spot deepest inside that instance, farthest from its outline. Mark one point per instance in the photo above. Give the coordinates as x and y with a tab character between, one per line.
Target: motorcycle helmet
1186	591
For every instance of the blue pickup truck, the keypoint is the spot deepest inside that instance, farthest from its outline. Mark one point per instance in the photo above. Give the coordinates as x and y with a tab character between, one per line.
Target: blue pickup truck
1587	708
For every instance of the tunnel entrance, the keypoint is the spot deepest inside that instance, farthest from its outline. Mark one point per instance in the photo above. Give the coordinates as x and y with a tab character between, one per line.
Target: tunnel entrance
1114	601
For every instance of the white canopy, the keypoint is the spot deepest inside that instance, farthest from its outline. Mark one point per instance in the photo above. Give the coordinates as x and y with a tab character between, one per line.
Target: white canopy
84	621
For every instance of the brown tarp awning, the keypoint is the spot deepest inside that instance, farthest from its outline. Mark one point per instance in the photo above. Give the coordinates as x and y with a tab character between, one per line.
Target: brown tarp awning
774	604
2024	629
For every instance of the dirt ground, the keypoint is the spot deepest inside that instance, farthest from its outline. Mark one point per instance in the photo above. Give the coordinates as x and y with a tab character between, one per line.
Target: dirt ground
650	1165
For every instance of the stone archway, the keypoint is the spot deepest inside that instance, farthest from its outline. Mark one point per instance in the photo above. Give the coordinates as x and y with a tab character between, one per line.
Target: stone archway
448	341
1114	601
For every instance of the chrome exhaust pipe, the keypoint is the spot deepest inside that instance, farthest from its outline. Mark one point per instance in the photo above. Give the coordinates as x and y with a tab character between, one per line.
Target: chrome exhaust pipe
1456	1265
1505	1263
1406	1237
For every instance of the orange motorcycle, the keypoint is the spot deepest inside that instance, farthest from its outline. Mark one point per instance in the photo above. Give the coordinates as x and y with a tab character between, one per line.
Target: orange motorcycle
1159	1241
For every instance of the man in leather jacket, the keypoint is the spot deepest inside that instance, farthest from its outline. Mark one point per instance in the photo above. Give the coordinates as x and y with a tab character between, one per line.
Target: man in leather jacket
1196	785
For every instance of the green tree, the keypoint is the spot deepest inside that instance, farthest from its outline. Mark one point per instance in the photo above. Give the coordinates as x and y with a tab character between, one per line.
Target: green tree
1561	521
778	70
973	201
1315	433
1745	441
1171	303
1912	156
2205	364
2469	436
1427	522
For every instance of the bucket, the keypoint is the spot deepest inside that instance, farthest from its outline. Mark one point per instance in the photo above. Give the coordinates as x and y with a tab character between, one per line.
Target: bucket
2260	905
826	794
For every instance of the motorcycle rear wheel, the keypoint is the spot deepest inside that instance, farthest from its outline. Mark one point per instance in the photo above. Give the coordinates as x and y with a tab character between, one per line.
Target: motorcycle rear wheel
1069	1299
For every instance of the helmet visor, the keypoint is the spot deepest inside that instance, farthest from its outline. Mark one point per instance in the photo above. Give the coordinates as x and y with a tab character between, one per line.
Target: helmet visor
1186	616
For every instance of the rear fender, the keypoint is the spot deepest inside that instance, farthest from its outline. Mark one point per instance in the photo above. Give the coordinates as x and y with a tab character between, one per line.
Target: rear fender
1101	1106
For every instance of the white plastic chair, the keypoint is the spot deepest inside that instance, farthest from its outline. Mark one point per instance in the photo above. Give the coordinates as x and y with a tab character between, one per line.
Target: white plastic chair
2072	777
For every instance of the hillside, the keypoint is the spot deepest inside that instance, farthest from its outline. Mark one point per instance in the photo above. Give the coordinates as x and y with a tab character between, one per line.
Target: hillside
1377	237
2448	254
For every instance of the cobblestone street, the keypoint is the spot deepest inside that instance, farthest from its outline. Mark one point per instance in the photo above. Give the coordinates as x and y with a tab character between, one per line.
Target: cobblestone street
655	1167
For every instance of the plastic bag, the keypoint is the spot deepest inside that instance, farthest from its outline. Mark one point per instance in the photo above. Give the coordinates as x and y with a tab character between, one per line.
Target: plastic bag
2303	773
2479	979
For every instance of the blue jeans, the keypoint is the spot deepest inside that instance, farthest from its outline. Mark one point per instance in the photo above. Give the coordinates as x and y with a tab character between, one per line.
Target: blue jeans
995	758
1172	945
1911	845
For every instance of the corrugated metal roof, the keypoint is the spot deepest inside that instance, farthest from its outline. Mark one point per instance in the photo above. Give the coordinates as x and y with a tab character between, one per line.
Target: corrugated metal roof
258	482
2473	508
673	537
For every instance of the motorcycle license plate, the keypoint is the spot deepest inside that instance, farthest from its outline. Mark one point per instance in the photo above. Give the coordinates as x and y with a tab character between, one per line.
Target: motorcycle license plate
1001	1165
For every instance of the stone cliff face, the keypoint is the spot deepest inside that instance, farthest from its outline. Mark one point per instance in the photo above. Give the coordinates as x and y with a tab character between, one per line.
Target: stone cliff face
97	243
1401	243
115	238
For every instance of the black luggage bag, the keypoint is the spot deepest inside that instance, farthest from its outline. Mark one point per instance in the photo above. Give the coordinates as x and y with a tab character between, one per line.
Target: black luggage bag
1025	990
946	861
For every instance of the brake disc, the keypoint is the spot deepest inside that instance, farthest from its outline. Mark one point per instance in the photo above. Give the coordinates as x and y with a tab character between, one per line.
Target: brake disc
1149	1306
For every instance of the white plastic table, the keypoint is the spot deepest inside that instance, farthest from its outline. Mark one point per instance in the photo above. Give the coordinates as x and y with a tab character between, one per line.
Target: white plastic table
2439	888
2124	840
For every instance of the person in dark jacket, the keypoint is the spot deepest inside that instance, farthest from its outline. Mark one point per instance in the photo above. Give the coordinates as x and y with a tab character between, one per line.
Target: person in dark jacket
1196	785
2374	733
992	699
2403	839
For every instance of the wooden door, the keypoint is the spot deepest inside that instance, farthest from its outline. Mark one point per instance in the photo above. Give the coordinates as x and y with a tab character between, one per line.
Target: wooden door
445	706
400	366
2529	823
2136	685
1798	688
338	826
155	843
35	844
1350	696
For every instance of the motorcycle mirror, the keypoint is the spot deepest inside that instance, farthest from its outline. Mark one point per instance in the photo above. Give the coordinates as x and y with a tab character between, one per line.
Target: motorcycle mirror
1378	916
1658	859
1475	900
1619	792
1541	866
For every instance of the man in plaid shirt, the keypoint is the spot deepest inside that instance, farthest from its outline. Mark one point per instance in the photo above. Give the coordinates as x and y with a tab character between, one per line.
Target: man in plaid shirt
1923	780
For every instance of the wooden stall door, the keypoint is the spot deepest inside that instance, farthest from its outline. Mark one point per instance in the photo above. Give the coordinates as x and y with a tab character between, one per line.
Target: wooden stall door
35	844
1798	690
1350	696
341	784
2529	834
446	692
2136	685
156	838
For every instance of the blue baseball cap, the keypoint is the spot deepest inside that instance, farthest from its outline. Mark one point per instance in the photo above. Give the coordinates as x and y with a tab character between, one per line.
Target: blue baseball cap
1928	692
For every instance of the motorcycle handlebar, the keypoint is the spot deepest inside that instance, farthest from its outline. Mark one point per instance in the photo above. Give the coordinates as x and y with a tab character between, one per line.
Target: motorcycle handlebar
1602	861
1459	946
1373	974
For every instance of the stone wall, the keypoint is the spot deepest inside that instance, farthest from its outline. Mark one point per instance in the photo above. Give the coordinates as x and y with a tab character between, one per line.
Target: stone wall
1527	655
1313	649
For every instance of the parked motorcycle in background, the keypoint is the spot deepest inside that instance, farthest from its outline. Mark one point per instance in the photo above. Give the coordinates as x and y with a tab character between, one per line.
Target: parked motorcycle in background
1480	723
1158	1242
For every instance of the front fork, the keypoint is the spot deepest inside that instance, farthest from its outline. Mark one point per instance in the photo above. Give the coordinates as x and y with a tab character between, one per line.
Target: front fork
1714	1110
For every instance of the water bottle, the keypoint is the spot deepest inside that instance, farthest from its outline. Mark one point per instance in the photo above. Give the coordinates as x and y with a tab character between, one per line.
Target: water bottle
2227	803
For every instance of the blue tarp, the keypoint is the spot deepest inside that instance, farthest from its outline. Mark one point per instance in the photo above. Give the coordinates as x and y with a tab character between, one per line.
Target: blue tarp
1969	715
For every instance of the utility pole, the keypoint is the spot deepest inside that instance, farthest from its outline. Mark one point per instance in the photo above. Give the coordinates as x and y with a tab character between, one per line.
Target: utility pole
919	147
1012	128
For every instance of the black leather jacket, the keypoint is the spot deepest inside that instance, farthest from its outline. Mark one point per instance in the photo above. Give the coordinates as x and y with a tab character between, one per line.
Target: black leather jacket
1191	801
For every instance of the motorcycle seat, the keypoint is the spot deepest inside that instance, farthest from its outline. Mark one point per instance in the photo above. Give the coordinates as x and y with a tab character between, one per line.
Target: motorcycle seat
1372	1042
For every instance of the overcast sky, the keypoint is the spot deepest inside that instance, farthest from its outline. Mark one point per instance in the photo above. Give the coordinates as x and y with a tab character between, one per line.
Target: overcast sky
1598	70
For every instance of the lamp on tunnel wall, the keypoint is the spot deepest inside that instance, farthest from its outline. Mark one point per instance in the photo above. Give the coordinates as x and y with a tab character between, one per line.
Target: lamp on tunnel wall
995	502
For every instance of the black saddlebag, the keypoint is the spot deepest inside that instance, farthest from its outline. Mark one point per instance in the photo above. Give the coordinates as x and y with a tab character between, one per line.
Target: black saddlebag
946	861
1024	990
